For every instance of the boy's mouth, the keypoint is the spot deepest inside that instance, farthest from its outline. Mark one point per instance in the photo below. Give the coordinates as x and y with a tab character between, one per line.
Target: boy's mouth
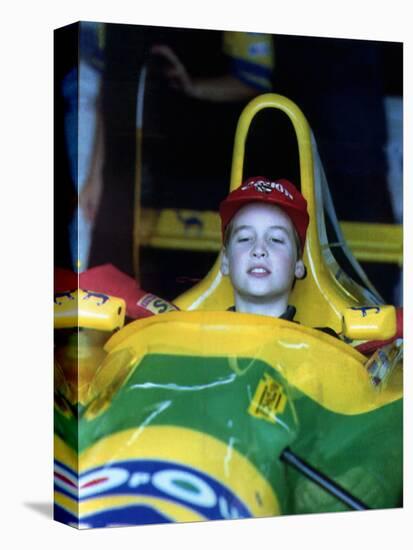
259	271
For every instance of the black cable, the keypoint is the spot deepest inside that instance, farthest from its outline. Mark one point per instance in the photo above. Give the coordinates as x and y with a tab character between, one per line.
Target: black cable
323	481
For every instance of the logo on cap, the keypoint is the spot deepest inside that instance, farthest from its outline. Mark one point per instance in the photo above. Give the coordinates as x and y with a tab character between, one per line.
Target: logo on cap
265	186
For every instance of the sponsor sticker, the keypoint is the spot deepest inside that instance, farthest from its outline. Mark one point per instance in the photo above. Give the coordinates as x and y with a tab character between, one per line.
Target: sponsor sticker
155	304
269	399
151	491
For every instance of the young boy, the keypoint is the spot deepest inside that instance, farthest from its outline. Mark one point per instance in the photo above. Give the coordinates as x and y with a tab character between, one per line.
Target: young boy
264	225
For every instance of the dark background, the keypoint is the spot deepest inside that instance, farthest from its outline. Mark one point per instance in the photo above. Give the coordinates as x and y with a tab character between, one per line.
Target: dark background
340	84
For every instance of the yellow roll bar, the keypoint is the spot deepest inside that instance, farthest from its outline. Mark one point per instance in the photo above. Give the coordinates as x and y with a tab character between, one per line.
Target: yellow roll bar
323	296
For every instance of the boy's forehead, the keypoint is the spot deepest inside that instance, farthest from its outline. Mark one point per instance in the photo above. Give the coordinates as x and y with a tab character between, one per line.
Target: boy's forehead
258	213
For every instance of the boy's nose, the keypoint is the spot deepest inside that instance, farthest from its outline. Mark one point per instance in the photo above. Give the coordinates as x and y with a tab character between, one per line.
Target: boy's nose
259	254
259	251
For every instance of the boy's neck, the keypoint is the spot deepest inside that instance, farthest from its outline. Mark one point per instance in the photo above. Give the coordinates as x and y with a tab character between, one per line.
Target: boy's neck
273	308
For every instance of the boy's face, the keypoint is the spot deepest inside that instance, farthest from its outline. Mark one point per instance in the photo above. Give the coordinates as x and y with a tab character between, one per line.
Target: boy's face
261	255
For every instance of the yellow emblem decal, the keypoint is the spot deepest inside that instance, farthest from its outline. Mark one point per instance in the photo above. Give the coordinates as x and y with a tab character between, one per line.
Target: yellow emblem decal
269	399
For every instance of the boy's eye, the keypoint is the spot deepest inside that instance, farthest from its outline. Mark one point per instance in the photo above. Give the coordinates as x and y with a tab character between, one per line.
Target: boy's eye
243	237
277	240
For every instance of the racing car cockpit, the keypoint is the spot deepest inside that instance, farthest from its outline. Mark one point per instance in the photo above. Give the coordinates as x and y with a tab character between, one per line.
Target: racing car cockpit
204	414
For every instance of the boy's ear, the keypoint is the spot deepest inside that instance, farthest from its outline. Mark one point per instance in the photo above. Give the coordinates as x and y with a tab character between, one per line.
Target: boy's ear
224	263
300	270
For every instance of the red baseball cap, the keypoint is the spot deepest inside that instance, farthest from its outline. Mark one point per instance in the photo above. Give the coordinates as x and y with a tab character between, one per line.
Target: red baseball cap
280	192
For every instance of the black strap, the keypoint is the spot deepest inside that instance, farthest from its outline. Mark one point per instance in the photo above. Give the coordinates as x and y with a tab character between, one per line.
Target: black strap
288	314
